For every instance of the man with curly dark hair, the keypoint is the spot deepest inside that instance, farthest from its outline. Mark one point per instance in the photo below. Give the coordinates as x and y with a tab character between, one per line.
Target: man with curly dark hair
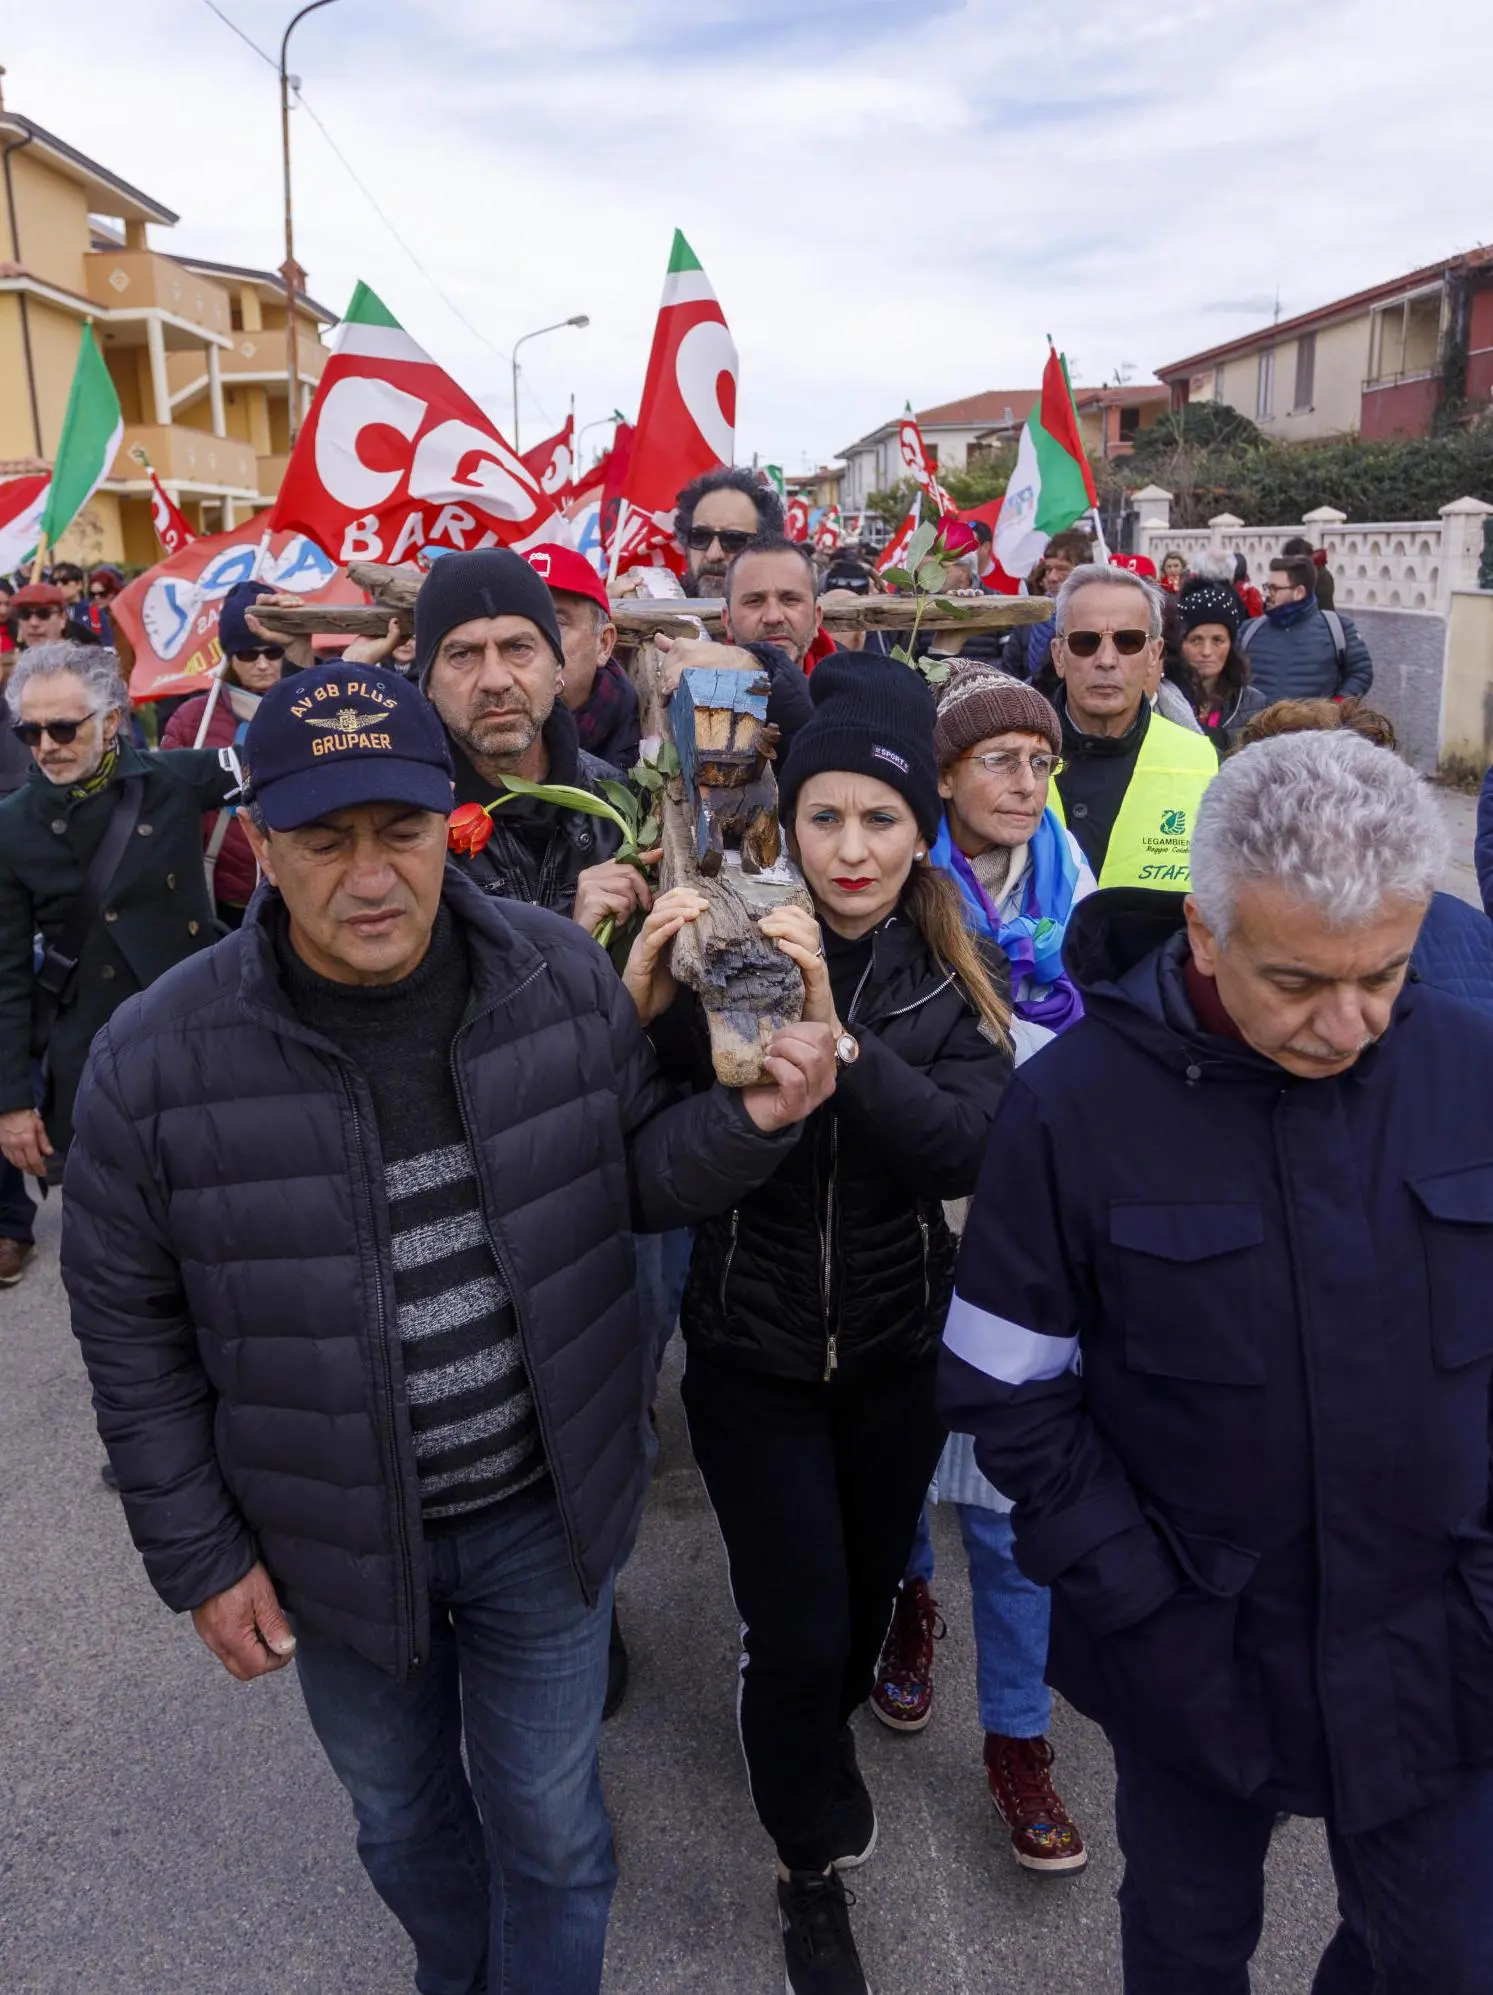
718	514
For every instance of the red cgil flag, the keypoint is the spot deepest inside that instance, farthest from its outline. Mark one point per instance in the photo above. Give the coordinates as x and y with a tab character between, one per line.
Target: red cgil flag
395	458
893	555
553	463
829	533
687	422
796	520
915	458
172	528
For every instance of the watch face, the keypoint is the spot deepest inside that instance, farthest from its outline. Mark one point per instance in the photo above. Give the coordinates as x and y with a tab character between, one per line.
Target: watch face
847	1048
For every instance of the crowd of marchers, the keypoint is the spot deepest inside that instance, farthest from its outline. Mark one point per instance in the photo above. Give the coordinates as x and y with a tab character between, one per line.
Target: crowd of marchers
385	1188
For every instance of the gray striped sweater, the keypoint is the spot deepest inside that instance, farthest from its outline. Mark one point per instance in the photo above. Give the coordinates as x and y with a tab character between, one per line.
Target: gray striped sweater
471	1413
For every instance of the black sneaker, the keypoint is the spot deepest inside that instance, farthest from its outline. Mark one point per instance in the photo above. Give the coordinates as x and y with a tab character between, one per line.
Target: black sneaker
855	1812
818	1945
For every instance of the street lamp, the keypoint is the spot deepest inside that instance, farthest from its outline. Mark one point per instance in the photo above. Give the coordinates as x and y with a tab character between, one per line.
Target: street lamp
580	319
289	270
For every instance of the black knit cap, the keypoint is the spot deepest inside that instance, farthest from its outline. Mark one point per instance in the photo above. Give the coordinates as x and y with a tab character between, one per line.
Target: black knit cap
490	583
872	717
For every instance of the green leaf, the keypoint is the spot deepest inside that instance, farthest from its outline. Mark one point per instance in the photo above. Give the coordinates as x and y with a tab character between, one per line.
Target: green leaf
898	577
932	574
949	607
922	540
648	832
622	797
936	674
903	656
650	778
567	798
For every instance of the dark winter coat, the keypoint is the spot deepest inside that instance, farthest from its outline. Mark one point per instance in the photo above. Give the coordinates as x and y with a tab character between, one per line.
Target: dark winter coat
538	851
235	875
157	912
1454	951
1299	661
226	1252
1225	724
1262	1504
841	1263
15	757
1482	851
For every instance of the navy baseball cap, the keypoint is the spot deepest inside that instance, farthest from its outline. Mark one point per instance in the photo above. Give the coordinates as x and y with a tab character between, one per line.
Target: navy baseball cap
340	735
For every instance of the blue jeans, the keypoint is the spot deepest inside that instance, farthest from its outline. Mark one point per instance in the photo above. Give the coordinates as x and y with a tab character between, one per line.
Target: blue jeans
1415	1897
17	1213
502	1881
663	1267
1010	1616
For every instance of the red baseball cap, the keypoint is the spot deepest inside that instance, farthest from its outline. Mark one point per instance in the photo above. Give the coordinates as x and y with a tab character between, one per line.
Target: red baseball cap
1138	564
567	573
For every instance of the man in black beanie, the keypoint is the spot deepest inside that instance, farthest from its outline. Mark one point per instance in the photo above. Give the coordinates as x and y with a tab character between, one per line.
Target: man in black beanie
489	656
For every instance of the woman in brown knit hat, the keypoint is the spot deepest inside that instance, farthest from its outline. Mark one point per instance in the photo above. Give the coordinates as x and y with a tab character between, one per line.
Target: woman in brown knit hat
1019	873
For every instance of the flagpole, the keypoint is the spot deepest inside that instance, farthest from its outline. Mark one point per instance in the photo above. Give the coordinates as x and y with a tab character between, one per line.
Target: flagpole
212	700
41	559
1099	535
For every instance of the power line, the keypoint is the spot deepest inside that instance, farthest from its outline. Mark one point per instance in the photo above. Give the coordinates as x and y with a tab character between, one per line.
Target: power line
234	26
351	173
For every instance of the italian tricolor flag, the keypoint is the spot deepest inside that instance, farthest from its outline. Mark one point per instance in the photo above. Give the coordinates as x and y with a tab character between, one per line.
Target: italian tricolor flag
92	431
1052	485
687	419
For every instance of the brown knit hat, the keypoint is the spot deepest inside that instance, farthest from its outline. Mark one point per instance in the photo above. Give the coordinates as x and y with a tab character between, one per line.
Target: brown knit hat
978	701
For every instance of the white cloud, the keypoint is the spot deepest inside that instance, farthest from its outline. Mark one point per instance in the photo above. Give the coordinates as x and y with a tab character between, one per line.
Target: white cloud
890	201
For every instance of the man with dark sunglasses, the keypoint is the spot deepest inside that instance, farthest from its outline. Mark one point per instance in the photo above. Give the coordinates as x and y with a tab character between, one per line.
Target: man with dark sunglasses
1131	780
719	513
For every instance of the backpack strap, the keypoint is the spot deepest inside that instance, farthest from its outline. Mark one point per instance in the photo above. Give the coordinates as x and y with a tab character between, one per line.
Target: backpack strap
1334	624
1247	632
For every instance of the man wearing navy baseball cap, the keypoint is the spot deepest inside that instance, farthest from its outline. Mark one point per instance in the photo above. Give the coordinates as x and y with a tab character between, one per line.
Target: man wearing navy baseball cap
348	1242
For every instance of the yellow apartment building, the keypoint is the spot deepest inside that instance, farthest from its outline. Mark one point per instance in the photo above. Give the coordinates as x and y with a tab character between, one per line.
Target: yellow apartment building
197	350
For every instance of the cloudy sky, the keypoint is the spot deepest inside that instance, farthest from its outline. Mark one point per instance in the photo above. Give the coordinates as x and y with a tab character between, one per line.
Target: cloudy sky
893	198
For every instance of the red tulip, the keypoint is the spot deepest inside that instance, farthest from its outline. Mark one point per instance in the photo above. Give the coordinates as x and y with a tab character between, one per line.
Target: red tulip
469	829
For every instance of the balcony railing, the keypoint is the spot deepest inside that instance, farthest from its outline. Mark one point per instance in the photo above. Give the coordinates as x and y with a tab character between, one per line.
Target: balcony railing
190	457
131	281
260	353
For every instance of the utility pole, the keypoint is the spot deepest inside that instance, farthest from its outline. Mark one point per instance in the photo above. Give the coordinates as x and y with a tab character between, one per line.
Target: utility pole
294	277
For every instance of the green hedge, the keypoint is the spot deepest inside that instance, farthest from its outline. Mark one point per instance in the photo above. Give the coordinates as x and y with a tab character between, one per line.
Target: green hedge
1276	483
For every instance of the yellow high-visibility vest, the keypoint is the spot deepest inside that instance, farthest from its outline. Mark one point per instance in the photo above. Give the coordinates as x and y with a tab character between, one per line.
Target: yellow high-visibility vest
1149	844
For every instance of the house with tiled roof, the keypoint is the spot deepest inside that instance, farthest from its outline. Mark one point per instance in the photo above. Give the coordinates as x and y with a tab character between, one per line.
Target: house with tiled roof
1379	362
874	461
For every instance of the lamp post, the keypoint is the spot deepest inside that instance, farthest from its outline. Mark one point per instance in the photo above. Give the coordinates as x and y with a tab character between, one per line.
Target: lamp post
580	319
289	270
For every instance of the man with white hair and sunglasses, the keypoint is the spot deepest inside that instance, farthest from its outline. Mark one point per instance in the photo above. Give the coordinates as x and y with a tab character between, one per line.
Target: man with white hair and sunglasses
1223	1332
1131	779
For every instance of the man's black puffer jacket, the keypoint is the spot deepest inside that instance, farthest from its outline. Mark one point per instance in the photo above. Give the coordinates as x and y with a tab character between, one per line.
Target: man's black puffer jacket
227	1260
841	1263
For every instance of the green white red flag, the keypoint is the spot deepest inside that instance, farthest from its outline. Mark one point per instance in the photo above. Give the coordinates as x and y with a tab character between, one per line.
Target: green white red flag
1052	485
92	431
687	421
395	457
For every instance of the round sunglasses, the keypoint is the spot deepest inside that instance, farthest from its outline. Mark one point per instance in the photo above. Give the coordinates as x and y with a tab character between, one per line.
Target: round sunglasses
63	732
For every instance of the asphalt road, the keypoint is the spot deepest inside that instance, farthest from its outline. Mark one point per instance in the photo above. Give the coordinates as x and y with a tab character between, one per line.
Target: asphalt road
166	1831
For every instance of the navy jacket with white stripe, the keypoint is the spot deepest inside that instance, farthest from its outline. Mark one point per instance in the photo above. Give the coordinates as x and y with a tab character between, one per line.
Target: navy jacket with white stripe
1225	1337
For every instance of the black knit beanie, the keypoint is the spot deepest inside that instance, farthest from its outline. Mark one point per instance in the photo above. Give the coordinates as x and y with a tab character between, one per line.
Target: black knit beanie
491	583
872	717
1210	602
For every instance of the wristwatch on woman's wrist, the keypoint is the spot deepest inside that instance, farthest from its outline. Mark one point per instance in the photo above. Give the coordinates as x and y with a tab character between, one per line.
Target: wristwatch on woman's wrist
847	1048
